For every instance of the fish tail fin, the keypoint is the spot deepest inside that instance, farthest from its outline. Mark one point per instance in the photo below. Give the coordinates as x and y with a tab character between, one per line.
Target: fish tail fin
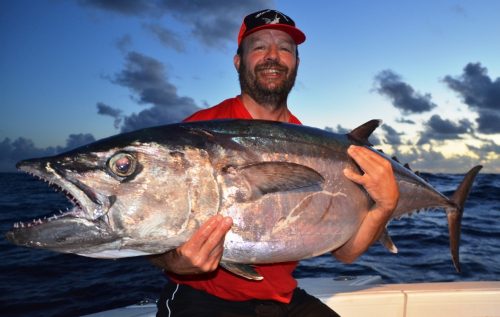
455	213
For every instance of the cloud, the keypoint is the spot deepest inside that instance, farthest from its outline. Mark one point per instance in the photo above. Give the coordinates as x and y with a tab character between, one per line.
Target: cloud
124	43
339	129
212	22
392	137
106	110
75	140
459	10
486	148
402	95
440	129
447	127
166	37
126	7
433	161
147	79
481	94
488	121
404	120
13	151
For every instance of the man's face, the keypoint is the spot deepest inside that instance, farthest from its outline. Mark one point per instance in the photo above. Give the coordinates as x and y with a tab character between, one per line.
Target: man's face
268	66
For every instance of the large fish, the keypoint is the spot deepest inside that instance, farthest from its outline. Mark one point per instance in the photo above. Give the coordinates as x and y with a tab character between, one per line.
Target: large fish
146	192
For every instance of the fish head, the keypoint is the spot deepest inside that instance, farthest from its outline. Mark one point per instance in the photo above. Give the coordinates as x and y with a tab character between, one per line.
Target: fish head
130	197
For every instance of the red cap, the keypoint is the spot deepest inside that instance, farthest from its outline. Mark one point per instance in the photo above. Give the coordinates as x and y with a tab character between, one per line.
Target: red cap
270	19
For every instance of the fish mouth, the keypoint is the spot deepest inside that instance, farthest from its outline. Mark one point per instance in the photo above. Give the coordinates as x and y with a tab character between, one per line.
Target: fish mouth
70	230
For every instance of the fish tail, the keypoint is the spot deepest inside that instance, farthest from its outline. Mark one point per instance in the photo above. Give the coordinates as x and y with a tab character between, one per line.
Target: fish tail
455	213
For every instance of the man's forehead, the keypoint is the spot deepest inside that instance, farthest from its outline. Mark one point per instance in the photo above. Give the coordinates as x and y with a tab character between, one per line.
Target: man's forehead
269	34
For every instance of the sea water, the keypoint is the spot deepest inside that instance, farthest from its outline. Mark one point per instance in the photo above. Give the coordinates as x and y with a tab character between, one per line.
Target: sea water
44	283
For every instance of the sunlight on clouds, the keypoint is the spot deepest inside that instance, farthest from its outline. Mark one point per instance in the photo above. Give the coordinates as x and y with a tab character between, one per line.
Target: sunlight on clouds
453	156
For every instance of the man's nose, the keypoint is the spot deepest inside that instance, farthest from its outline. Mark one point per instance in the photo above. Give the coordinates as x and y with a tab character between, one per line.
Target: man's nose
272	53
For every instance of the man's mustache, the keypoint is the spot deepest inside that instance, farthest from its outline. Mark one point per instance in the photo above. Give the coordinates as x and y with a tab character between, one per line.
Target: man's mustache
271	64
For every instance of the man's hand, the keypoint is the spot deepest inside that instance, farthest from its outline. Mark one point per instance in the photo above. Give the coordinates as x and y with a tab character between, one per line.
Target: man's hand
201	253
378	180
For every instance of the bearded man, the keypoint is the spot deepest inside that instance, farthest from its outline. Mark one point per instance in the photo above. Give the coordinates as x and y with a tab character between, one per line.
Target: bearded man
267	62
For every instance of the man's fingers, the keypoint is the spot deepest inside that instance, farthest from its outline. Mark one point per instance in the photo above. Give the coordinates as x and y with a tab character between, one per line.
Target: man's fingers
204	232
353	176
378	178
217	234
365	158
373	165
203	251
215	256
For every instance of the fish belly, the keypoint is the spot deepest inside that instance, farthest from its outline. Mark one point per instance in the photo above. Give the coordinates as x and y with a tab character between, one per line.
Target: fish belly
292	226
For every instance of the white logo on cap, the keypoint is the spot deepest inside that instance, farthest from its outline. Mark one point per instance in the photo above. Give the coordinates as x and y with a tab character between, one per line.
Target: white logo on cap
276	19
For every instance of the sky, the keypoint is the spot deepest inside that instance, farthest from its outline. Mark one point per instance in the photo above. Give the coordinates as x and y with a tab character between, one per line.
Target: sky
72	72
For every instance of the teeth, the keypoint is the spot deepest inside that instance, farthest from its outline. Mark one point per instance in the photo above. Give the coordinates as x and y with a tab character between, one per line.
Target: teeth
271	71
76	211
39	221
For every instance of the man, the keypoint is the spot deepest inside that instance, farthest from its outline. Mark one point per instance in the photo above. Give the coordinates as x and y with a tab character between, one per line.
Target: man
267	62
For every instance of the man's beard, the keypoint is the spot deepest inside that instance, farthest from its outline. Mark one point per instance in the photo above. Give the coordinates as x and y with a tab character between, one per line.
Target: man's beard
272	98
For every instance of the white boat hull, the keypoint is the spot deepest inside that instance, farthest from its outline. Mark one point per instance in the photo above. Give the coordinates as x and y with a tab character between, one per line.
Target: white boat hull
458	299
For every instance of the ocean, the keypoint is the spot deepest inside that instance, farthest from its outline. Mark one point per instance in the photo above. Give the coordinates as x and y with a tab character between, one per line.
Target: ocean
43	283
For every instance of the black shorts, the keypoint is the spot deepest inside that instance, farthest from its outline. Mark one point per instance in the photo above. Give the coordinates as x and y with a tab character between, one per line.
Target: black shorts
184	301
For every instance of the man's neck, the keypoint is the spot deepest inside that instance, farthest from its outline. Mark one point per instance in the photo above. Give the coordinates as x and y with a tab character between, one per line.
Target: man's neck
264	112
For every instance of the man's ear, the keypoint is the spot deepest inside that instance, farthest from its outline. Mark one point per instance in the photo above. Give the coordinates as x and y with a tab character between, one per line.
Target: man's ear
237	61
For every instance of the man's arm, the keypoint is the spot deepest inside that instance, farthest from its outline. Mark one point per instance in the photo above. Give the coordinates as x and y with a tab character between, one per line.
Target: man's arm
201	253
378	180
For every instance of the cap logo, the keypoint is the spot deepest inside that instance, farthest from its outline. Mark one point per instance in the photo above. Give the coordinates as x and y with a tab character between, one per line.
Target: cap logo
270	19
276	19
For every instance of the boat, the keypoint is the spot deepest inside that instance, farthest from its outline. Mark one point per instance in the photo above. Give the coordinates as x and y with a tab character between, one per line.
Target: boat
367	295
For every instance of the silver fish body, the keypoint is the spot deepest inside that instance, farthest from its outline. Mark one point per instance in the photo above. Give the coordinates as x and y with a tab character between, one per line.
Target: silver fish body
146	192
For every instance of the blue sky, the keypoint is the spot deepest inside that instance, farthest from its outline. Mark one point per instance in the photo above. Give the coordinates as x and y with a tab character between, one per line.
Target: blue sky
75	71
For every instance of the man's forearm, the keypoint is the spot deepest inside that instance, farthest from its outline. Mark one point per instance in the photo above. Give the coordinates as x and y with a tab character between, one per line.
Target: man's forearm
369	231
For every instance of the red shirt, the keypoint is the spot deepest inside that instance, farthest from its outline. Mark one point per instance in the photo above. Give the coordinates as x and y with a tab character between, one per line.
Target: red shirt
278	283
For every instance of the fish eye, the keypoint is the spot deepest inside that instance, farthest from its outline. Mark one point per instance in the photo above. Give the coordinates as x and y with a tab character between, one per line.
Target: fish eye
122	164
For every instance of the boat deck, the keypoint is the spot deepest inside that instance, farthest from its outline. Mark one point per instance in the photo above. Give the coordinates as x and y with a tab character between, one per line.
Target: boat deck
366	296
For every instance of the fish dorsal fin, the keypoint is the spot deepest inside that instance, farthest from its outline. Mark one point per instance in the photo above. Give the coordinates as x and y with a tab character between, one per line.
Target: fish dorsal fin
244	270
256	180
361	133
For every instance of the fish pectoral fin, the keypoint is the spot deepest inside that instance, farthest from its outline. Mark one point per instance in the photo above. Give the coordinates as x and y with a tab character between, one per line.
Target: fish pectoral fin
244	270
386	241
271	177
